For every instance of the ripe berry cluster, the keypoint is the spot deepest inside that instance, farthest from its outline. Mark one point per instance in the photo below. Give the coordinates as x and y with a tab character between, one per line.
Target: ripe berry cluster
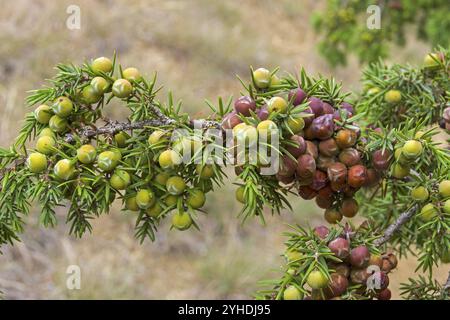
322	153
349	269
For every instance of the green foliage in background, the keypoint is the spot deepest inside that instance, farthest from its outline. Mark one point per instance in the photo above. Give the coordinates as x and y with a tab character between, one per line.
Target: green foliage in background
343	29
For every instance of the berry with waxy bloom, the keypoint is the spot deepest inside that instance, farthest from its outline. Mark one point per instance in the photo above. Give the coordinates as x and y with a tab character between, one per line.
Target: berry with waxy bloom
297	96
321	231
86	154
62	107
328	147
169	159
346	138
381	159
306	166
64	169
412	149
327	108
262	113
196	198
100	85
262	78
57	124
181	221
340	247
298	146
350	157
145	198
359	256
428	212
120	180
357	176
337	174
89	95
316	106
102	64
338	285
46	145
37	162
43	113
175	185
122	88
244	104
319	181
107	161
131	74
231	120
277	104
322	127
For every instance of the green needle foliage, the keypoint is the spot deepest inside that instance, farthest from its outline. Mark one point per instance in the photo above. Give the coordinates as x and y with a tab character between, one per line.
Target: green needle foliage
342	25
160	164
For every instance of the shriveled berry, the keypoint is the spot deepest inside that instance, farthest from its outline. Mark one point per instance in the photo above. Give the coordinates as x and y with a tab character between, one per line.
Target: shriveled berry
389	262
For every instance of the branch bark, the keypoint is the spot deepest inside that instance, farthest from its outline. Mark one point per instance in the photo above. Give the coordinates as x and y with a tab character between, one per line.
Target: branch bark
114	127
394	227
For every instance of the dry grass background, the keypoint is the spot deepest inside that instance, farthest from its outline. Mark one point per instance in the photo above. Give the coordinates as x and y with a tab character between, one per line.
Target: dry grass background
197	47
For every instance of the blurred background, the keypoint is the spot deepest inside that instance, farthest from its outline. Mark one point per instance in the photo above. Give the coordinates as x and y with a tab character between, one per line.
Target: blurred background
198	47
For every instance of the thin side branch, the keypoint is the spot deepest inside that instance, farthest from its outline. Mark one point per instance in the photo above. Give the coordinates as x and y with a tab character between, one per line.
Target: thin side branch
394	227
114	127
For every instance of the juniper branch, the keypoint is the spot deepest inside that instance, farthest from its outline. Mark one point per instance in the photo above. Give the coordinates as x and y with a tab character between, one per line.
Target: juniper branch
396	225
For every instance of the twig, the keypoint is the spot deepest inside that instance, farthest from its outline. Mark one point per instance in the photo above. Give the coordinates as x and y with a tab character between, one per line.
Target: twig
447	284
394	227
